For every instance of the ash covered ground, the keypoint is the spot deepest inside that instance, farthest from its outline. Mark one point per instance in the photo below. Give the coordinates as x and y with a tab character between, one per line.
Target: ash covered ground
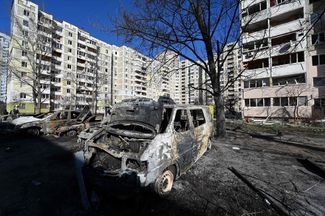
38	178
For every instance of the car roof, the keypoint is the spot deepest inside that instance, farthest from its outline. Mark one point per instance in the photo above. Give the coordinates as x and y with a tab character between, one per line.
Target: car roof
185	106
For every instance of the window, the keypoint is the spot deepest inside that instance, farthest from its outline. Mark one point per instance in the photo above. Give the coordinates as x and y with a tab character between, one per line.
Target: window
68	82
70	50
276	102
319	103
315	60
247	102
302	101
259	63
69	42
257	7
322	59
23	53
301	56
68	90
181	122
70	34
259	102
287	59
198	117
25	33
24	43
74	115
22	106
318	38
284	101
319	81
267	102
293	101
296	79
69	66
313	1
25	23
26	12
253	102
318	60
24	64
22	95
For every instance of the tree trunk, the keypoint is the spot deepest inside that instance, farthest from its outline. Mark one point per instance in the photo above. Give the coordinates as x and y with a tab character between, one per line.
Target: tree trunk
38	105
219	110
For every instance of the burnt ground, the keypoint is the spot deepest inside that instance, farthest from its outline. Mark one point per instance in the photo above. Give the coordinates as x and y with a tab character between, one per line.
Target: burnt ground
37	177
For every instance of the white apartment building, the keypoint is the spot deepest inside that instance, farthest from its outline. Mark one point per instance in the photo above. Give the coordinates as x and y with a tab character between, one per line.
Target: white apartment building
231	79
4	55
278	82
76	69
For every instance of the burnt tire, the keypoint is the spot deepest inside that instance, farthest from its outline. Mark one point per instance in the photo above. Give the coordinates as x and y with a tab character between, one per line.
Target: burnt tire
71	133
33	131
164	183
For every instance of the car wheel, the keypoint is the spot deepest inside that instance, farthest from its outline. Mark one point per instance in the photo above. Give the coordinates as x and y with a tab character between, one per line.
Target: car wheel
33	131
72	133
164	183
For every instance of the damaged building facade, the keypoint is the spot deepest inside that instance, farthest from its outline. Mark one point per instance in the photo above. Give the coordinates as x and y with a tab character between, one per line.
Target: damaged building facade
4	55
77	69
283	57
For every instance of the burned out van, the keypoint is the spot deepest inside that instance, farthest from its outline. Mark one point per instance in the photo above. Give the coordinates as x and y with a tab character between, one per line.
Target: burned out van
146	143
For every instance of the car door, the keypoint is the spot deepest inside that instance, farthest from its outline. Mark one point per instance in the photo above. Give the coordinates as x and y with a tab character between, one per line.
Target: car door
201	131
183	139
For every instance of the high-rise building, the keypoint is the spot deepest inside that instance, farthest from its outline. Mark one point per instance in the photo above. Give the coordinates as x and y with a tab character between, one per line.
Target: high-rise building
231	79
4	57
69	68
278	77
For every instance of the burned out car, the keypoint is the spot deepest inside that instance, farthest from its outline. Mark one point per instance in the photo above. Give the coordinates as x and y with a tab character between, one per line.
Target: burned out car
146	143
45	123
72	128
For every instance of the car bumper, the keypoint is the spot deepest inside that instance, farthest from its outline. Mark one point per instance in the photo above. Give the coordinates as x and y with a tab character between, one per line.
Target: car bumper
116	184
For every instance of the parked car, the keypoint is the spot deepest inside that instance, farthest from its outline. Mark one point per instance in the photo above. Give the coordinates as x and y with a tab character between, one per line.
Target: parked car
145	143
73	128
46	123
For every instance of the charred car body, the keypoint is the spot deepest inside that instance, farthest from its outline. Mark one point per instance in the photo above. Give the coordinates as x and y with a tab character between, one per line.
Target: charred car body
146	143
48	123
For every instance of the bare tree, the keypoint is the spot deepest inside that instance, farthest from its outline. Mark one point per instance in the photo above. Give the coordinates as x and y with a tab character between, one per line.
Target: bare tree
33	63
196	30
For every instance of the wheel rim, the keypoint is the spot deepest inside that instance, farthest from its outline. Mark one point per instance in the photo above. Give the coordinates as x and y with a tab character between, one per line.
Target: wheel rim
72	133
166	182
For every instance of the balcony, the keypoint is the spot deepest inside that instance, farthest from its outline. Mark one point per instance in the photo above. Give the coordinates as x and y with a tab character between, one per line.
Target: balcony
258	35
247	3
289	69
290	47
81	64
257	73
286	8
282	29
254	18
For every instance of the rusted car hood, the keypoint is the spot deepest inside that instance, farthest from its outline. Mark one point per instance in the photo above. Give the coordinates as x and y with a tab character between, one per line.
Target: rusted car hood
134	129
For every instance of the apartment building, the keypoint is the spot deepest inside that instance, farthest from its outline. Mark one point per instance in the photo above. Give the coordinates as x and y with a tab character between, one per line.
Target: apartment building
4	55
230	78
278	82
316	55
73	68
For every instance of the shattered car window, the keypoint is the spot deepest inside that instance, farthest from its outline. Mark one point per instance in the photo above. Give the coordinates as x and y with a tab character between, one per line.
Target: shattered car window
181	122
74	115
198	117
